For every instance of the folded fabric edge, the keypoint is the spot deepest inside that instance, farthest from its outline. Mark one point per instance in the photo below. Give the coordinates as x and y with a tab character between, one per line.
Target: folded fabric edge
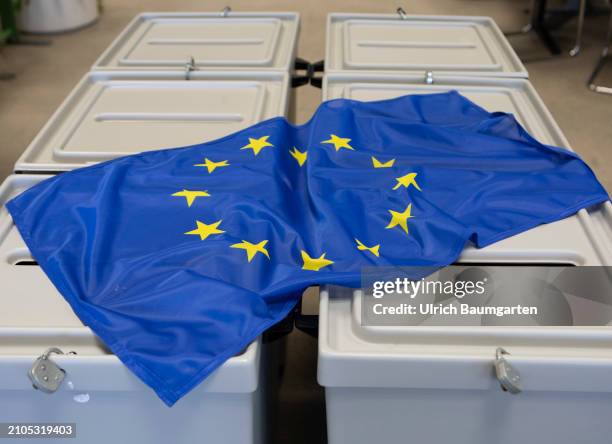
546	220
150	378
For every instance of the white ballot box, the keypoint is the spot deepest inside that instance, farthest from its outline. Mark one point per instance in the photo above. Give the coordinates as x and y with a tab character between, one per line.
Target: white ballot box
436	383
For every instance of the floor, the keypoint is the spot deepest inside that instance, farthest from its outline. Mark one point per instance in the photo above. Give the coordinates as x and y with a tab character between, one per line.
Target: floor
45	75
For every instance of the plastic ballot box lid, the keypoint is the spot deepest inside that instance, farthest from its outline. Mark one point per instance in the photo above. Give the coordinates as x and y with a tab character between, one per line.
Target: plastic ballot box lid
111	114
34	317
419	43
226	40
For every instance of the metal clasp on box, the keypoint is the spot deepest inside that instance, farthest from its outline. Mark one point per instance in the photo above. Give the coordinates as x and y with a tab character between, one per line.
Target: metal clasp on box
429	77
508	377
45	374
189	67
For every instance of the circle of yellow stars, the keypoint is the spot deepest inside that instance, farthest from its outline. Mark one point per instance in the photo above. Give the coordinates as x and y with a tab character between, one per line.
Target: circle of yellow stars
399	217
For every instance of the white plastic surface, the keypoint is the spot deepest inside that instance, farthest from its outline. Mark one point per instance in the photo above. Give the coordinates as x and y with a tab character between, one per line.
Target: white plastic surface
436	383
239	40
111	114
386	43
226	407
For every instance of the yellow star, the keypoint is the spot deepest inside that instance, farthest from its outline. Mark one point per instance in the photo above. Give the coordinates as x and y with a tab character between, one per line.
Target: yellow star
205	230
378	164
374	250
339	142
252	249
211	166
314	264
406	181
400	219
257	144
299	156
191	195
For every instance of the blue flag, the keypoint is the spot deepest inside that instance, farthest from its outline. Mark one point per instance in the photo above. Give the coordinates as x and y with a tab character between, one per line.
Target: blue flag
178	259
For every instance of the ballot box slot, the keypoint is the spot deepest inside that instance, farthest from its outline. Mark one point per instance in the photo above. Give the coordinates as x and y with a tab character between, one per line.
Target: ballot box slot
25	262
237	41
110	114
408	44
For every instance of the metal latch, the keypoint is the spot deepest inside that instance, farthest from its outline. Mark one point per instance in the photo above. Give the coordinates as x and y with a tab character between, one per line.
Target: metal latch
400	11
429	78
225	12
45	374
189	67
507	375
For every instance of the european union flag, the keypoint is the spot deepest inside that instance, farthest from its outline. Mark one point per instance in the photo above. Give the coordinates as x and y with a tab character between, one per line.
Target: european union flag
177	259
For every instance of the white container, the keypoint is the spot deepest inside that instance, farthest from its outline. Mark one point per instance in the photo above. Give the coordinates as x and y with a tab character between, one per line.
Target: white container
115	113
141	97
437	384
392	43
225	40
105	400
51	16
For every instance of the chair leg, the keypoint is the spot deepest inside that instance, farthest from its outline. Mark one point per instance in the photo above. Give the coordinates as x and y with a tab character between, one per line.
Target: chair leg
576	49
539	26
605	57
